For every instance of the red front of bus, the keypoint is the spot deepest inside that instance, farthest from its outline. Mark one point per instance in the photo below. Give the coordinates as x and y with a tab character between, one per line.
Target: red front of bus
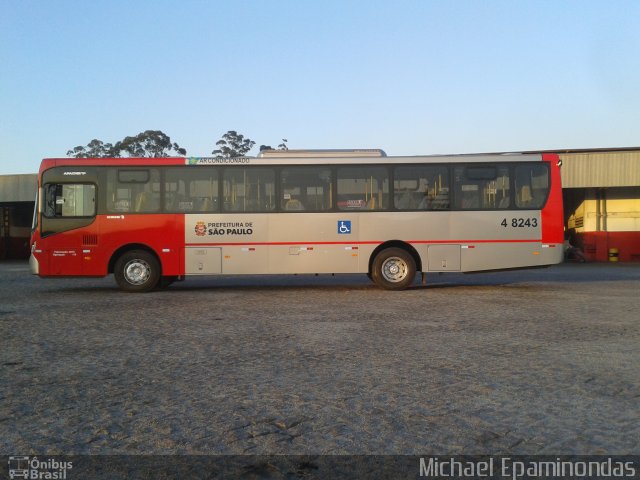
83	240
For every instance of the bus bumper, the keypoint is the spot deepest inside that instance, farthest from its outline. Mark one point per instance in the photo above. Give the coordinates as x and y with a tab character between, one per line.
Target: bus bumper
34	266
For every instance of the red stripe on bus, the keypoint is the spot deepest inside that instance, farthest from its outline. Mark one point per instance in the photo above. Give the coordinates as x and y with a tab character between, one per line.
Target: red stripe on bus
223	244
475	241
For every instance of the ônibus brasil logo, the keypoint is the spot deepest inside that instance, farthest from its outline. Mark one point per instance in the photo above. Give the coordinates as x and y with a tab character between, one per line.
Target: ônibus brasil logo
33	468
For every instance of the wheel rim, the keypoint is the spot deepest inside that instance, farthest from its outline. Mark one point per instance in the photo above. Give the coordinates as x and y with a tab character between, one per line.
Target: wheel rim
137	272
394	269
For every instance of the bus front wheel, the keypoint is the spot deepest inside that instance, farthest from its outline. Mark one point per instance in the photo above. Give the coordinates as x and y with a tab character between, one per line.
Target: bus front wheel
393	269
137	271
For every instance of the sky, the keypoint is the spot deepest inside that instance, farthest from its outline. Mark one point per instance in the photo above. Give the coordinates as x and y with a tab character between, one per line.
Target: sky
409	77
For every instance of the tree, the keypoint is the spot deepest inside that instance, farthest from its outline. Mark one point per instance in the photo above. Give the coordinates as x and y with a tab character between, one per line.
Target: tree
233	144
95	148
150	143
282	146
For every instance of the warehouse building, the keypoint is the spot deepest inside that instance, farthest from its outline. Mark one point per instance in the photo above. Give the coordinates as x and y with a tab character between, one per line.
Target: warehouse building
601	190
17	194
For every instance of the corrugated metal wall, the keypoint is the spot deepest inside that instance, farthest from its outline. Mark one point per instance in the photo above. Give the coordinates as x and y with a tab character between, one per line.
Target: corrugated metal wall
600	169
18	188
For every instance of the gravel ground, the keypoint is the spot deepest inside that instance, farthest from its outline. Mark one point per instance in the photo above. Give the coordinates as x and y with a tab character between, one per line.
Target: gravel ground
530	362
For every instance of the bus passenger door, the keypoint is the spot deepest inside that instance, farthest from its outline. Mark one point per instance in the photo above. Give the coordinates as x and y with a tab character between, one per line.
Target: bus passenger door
67	209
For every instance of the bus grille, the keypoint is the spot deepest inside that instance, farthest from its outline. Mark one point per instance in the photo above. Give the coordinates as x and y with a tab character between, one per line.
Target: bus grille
89	239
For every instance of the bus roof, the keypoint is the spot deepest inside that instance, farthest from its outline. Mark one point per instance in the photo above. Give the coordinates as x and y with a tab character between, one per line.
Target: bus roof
292	158
323	153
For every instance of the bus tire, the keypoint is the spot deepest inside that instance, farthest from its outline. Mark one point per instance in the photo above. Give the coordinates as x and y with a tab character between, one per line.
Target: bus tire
137	271
393	269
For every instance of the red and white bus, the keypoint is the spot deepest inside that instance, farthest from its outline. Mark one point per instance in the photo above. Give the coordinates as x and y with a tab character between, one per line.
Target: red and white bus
151	221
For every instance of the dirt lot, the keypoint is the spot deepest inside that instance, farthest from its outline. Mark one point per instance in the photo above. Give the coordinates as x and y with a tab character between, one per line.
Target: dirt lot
531	362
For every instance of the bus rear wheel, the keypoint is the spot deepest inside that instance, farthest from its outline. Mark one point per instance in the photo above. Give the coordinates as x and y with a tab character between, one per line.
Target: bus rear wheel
137	271
393	269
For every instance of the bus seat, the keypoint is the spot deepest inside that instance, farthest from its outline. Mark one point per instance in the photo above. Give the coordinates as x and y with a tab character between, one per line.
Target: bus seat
143	202
147	202
170	201
425	202
470	201
525	195
293	204
371	204
441	202
405	201
206	205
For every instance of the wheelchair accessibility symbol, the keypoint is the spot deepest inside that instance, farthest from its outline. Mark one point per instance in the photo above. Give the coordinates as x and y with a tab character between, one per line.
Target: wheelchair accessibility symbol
344	226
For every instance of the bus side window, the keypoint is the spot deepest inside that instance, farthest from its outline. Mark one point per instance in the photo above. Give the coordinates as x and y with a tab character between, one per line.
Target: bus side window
305	188
191	189
532	185
363	188
497	192
467	189
421	188
249	189
481	187
503	190
133	190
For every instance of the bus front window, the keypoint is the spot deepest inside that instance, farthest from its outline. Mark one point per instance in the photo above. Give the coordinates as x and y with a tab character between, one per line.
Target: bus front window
69	200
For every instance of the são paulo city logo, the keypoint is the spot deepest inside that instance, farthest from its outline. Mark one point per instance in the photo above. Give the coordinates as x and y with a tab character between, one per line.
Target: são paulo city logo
201	229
